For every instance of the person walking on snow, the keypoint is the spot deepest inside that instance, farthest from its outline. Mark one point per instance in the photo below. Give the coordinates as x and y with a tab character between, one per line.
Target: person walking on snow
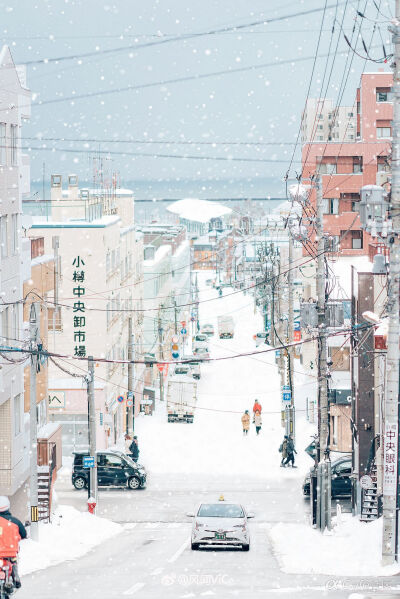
257	406
290	451
257	421
134	449
283	450
246	422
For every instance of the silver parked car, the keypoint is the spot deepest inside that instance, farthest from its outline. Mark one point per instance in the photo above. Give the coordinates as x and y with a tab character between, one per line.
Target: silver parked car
221	523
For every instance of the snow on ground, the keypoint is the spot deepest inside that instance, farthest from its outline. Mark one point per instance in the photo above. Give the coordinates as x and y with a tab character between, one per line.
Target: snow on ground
214	443
70	535
302	549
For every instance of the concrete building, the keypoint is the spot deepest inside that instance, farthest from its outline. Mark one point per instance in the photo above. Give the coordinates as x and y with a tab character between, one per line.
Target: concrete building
322	121
15	101
98	287
347	166
200	216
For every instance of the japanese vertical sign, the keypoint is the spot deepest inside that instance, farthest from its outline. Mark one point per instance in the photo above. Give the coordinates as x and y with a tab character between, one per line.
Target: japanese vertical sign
79	320
390	450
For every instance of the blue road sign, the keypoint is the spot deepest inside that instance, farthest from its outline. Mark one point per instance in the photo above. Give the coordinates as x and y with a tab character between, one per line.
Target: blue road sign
120	398
277	353
183	331
296	326
88	461
286	388
286	396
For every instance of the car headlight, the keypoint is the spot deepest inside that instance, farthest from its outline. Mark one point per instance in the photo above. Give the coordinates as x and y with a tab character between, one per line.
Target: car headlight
198	526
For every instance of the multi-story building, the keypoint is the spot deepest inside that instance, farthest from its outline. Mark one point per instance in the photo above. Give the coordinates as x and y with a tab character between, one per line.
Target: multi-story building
322	121
166	274
99	286
346	166
14	269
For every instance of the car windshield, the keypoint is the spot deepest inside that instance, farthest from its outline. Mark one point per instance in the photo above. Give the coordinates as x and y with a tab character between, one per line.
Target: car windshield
220	510
201	350
201	338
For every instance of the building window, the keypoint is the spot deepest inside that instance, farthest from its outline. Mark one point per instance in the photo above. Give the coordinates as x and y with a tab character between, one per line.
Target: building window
4	236
383	94
17	415
357	164
320	127
3	144
331	206
54	319
356	240
383	132
327	168
383	164
350	114
355	206
13	144
14	234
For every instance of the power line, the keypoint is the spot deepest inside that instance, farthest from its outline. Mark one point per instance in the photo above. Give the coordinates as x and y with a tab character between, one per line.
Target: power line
183	37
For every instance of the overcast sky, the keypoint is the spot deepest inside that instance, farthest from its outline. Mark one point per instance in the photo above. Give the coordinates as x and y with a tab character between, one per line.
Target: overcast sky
255	105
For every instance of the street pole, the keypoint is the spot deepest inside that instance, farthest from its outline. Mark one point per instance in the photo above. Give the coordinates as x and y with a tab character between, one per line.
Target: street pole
161	353
130	411
34	332
290	336
323	490
92	428
391	409
175	317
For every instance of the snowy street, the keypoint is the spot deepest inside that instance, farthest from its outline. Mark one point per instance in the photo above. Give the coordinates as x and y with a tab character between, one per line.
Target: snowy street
189	464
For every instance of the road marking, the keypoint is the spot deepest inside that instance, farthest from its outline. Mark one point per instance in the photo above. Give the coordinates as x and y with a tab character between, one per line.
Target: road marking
157	571
136	587
179	552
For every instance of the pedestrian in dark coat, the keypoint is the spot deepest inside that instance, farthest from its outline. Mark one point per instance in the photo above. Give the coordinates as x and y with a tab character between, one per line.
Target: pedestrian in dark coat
134	449
283	450
290	452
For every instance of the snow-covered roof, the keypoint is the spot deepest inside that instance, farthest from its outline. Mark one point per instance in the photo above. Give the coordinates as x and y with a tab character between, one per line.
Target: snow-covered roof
200	211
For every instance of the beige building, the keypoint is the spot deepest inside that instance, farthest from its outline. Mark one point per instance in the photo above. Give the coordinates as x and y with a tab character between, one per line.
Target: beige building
322	121
99	284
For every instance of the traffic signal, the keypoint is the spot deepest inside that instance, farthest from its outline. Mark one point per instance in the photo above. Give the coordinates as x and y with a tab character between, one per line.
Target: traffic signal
175	347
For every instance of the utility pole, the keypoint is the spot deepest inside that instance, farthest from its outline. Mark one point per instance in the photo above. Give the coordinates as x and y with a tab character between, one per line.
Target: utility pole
175	317
391	409
130	411
161	352
324	467
290	412
92	489
34	333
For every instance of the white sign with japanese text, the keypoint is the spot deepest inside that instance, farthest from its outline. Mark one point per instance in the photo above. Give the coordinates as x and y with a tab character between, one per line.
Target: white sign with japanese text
390	451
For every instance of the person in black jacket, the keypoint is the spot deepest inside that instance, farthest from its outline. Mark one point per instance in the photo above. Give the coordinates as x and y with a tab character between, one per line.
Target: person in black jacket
134	449
290	452
6	514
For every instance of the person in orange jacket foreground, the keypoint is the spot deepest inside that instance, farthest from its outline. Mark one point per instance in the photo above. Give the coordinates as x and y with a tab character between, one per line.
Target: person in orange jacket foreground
11	532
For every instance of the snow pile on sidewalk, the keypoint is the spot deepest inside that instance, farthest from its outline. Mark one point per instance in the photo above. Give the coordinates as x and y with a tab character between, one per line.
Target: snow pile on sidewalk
302	549
70	535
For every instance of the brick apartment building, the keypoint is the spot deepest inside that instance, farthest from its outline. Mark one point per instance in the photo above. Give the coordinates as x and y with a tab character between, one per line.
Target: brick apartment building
346	166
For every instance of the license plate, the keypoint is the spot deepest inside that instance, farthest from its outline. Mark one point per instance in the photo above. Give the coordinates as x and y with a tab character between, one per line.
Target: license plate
220	536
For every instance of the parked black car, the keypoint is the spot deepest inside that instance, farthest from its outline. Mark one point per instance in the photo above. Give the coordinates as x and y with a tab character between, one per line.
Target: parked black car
114	469
340	475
